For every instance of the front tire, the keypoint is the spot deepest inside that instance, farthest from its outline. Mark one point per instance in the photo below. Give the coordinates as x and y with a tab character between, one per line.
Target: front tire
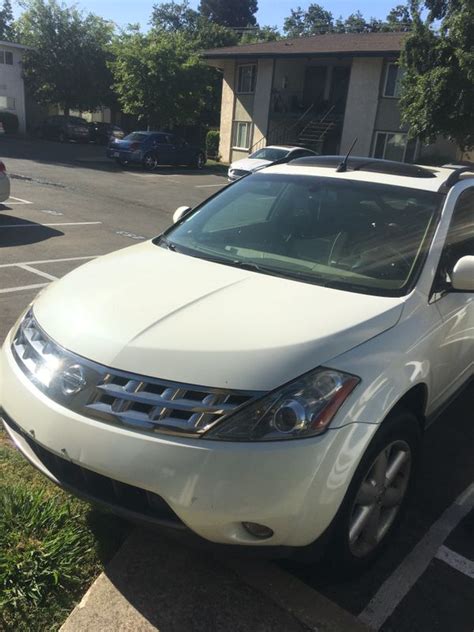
377	496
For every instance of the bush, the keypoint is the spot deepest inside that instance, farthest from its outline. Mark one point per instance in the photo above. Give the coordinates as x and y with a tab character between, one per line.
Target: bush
10	122
212	143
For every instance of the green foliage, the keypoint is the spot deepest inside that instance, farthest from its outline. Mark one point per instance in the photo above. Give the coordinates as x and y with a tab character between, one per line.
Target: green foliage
316	20
10	122
51	546
7	30
159	77
212	143
438	86
234	14
260	34
67	64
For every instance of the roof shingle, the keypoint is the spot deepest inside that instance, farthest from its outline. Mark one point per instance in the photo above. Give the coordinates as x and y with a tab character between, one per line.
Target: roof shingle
328	44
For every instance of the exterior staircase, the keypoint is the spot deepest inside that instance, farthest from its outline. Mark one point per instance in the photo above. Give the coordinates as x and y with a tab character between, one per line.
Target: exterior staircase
310	130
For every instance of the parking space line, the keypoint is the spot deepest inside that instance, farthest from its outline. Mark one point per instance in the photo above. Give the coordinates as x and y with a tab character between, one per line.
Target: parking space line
459	562
18	201
25	266
150	176
400	582
41	225
208	186
23	287
10	265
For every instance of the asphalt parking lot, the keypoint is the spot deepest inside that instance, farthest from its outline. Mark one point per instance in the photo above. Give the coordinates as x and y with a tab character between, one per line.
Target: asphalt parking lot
70	204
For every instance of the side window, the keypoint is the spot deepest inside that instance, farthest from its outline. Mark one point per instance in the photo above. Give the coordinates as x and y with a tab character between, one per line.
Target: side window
161	139
460	238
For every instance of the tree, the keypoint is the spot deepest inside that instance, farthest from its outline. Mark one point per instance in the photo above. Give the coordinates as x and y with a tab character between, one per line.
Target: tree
355	23
438	85
67	64
399	18
261	34
314	21
174	16
234	13
7	31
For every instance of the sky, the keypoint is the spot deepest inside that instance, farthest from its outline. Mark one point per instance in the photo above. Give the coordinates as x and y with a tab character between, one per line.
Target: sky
271	12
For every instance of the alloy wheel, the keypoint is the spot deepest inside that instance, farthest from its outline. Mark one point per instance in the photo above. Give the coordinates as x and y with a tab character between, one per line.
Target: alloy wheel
379	498
150	162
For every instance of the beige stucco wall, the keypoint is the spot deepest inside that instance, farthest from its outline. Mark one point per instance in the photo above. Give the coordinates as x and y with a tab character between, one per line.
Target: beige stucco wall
227	110
263	92
11	85
362	104
243	109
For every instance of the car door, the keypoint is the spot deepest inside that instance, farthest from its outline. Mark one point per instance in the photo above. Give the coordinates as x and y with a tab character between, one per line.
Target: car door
162	148
454	357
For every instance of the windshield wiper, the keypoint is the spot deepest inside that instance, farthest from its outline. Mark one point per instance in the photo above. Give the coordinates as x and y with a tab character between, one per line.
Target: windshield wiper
166	243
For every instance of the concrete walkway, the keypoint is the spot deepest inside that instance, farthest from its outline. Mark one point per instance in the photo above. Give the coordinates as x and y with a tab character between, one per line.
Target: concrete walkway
155	583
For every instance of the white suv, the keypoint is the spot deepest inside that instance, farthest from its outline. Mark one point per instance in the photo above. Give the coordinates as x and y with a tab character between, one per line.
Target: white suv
263	372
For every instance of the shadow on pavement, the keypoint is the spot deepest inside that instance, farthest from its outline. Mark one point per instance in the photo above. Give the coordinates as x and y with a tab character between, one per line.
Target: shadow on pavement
19	232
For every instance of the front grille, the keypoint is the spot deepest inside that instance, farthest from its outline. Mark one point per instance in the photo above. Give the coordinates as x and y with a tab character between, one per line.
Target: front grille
99	488
114	396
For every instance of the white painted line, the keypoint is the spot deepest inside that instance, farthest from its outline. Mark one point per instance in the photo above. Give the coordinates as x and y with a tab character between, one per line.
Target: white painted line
50	212
459	562
150	176
125	233
10	265
18	201
400	582
208	186
42	225
25	266
23	287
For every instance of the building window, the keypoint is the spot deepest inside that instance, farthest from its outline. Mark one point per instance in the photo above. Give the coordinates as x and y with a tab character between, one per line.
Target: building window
246	78
394	146
6	57
242	135
393	81
7	103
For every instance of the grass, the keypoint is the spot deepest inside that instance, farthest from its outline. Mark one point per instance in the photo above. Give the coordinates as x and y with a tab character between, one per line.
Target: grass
52	546
217	167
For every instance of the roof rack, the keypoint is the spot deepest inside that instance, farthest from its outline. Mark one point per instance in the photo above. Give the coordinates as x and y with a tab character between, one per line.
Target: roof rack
376	165
455	176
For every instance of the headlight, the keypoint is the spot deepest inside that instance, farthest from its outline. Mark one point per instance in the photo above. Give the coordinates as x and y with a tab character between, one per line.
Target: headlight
303	408
48	366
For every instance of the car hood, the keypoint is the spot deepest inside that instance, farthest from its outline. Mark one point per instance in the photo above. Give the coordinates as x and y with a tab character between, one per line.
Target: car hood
249	164
159	313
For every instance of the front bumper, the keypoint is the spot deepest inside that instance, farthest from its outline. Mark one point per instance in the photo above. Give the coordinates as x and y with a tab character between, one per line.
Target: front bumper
293	487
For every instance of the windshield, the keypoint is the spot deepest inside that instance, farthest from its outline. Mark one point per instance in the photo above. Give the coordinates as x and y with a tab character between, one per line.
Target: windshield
270	153
136	136
358	236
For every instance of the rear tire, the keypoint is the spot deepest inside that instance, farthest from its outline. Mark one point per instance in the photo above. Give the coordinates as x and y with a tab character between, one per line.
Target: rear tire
376	499
150	161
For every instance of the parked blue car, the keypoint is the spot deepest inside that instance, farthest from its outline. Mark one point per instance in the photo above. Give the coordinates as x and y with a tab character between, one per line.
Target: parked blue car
151	149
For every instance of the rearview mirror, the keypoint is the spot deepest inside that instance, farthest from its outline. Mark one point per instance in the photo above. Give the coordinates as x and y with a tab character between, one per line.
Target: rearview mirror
462	277
180	212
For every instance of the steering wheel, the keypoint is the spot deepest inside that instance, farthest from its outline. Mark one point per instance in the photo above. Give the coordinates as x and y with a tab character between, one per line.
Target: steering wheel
397	263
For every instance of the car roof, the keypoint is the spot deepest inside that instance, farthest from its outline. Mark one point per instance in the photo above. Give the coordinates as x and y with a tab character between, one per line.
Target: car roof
378	171
289	147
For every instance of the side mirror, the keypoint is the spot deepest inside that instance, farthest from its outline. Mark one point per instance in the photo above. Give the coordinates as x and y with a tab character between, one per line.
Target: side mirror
180	212
462	277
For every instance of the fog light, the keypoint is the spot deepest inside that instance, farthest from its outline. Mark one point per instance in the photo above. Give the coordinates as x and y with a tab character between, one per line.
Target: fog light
259	531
